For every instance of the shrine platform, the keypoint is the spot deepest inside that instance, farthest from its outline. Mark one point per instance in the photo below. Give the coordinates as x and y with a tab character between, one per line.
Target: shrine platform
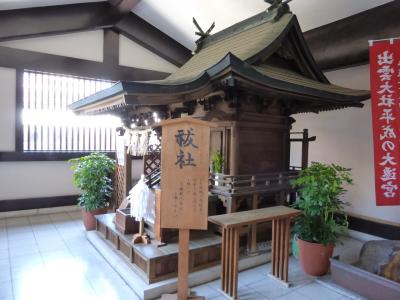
154	262
151	270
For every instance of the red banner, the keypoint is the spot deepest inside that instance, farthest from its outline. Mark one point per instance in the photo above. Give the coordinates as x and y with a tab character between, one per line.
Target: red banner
385	105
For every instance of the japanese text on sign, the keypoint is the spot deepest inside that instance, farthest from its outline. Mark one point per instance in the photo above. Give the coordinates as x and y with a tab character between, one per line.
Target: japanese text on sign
184	182
385	77
184	157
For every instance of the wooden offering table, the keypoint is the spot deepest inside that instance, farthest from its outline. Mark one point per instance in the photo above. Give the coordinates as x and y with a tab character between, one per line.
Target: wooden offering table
231	225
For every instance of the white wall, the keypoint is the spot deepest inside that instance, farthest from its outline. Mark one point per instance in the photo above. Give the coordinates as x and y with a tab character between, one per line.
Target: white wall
345	137
7	109
131	54
35	179
44	179
20	180
85	45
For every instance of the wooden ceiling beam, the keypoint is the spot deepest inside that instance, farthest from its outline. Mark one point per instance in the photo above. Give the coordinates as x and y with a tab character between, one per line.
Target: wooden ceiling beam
41	21
345	42
22	59
50	20
124	6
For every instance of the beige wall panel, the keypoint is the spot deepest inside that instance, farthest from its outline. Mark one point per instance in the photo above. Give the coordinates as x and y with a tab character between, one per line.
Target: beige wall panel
7	109
84	45
132	54
20	180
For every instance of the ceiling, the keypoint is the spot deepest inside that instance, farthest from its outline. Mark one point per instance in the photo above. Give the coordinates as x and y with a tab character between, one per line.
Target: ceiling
174	17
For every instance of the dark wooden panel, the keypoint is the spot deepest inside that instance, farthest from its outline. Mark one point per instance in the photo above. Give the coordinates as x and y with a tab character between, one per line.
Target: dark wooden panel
113	238
261	150
111	47
140	262
386	231
36	203
164	266
125	248
102	228
22	59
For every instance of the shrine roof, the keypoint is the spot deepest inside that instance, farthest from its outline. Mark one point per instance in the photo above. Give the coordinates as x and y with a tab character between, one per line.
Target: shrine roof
245	51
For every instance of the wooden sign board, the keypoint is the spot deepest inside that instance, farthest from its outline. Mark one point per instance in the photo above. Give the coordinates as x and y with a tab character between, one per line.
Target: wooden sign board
184	173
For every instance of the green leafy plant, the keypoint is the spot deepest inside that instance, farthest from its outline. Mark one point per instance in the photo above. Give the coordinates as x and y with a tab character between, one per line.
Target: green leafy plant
217	162
92	177
323	218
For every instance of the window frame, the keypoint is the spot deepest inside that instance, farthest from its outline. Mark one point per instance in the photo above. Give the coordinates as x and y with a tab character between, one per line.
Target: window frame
19	154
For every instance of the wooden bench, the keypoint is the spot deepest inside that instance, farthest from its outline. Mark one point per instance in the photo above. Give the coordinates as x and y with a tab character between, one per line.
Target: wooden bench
231	225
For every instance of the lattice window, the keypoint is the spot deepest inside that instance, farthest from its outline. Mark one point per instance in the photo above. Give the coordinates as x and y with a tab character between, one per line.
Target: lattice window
152	159
48	124
118	180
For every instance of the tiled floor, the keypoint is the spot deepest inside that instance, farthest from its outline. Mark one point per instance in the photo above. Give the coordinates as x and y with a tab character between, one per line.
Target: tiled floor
48	257
256	284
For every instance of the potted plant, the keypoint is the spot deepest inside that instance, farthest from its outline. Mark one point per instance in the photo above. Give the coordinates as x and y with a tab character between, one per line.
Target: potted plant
92	177
217	165
323	219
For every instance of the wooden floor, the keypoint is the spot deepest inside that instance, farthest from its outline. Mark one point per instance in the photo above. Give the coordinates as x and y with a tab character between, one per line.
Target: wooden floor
156	263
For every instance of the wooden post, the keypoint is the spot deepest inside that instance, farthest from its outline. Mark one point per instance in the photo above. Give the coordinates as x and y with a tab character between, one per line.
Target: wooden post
141	227
127	172
141	237
157	225
234	151
183	264
235	262
184	185
252	234
304	150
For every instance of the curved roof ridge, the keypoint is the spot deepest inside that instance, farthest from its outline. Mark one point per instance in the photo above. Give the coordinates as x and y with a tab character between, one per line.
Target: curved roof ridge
244	45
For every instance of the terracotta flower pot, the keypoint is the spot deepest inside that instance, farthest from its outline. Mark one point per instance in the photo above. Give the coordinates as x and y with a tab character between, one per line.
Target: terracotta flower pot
88	217
314	258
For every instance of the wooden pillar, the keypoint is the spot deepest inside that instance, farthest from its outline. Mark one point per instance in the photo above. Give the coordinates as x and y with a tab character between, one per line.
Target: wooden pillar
280	248
183	264
234	168
231	205
127	172
252	234
158	231
235	272
224	255
230	261
304	150
286	251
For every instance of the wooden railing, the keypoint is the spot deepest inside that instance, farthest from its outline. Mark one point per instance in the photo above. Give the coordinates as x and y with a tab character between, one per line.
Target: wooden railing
237	185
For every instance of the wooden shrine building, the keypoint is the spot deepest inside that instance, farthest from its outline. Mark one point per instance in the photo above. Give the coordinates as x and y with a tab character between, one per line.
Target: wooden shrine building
250	79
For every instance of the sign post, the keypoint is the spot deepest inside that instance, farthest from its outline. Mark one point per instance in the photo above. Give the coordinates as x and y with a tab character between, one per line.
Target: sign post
184	186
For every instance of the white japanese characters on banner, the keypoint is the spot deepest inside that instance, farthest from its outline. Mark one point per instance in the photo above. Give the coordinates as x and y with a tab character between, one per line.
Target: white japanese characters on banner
385	77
